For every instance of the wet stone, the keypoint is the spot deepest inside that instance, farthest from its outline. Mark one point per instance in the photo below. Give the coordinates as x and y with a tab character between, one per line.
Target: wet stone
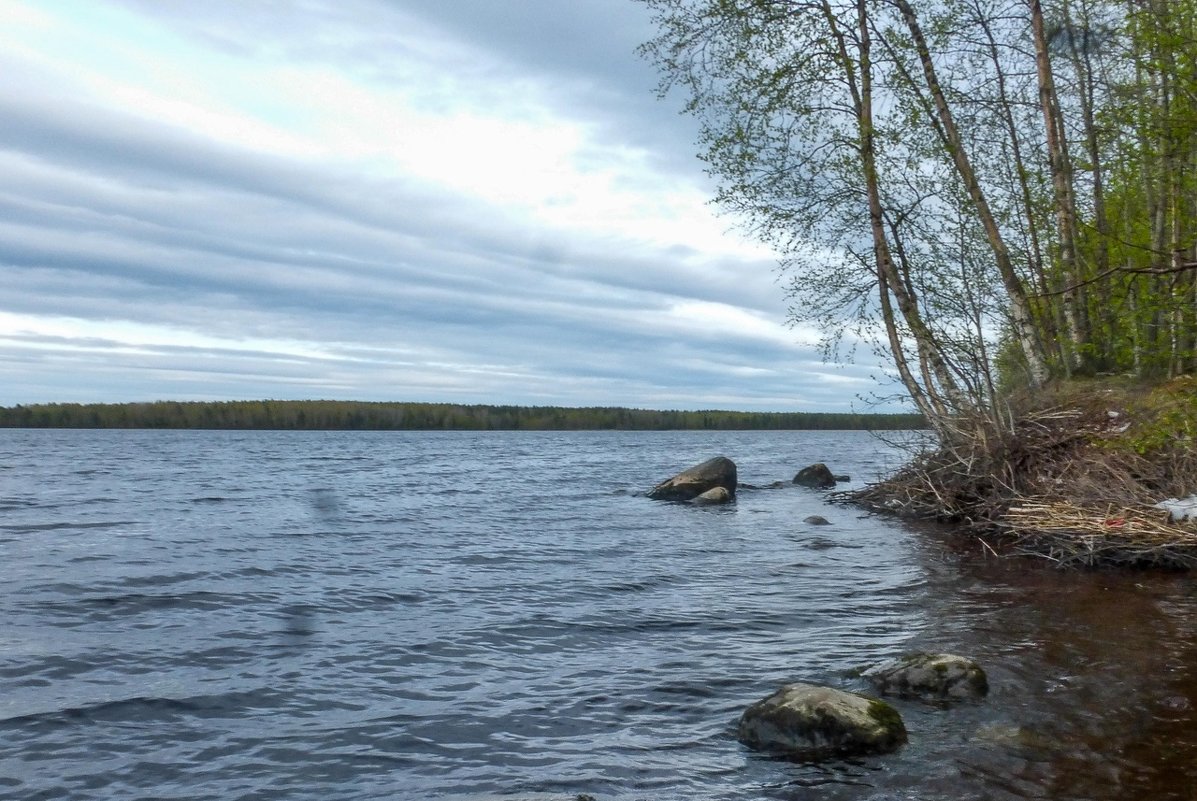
815	476
930	677
713	496
808	721
690	483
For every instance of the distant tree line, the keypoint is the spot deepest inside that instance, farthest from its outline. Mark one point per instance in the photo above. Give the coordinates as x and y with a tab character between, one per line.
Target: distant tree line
361	416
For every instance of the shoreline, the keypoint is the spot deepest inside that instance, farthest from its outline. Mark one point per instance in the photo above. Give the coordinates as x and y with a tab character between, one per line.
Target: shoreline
1086	476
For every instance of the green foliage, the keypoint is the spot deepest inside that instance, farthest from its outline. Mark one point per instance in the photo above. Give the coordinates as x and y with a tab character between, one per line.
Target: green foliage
1081	261
352	415
1162	421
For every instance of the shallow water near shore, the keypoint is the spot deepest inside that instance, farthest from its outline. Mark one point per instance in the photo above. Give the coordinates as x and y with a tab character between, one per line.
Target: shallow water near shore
394	615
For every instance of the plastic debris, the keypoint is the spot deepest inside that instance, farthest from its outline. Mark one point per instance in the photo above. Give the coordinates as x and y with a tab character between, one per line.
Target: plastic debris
1179	508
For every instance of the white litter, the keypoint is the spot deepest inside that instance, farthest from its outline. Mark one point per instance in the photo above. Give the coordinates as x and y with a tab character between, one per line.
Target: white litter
1179	508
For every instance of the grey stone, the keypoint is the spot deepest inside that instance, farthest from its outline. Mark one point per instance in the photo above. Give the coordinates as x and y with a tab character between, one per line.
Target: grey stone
930	677
816	476
813	722
689	484
713	496
817	520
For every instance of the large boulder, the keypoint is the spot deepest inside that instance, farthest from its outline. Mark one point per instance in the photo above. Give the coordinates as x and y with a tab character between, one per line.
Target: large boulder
816	476
930	677
812	722
689	484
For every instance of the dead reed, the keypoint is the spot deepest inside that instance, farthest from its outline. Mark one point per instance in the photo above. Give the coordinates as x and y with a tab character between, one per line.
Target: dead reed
1089	536
1071	483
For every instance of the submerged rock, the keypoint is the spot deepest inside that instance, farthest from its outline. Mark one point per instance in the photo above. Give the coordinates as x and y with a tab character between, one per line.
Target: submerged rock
1024	740
817	520
813	722
930	677
713	496
816	476
689	484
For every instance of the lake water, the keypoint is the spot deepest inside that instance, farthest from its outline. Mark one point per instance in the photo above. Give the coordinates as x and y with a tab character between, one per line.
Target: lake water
385	615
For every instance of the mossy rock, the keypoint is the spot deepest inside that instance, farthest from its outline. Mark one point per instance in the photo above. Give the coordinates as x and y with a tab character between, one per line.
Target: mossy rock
930	677
808	721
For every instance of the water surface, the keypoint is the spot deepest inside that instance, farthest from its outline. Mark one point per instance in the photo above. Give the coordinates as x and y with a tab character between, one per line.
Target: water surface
315	615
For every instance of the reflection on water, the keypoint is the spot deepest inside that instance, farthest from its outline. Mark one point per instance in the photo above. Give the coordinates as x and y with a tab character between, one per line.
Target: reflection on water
1092	677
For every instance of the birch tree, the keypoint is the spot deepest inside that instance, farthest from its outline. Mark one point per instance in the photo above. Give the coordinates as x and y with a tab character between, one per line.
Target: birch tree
941	175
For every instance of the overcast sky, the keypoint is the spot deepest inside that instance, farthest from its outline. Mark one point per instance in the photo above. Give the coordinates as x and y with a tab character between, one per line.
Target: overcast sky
475	201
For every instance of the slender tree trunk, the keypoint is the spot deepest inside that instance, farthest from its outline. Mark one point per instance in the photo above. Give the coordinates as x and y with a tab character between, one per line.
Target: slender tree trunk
1082	63
931	396
1136	331
934	413
1161	334
1061	171
1048	315
1020	313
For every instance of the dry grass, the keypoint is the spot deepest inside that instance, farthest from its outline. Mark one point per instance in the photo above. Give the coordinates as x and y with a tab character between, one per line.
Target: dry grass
1073	479
1089	536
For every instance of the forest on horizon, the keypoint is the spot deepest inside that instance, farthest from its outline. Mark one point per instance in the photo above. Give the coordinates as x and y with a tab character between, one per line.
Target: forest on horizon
383	416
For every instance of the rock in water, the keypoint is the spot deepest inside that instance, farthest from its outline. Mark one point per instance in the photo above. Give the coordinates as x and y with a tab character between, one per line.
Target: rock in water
930	677
812	722
816	520
816	476
689	484
713	496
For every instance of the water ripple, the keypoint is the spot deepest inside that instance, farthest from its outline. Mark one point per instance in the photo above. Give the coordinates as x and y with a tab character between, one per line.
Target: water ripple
220	615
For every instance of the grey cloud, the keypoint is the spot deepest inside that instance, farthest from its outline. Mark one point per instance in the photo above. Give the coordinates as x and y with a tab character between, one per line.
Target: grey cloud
591	45
413	294
584	51
199	374
272	214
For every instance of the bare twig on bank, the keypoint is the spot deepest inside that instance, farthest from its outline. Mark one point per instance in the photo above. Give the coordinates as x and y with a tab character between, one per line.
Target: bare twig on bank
1053	482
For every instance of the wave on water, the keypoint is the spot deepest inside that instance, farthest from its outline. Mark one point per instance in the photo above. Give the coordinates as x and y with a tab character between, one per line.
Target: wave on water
413	615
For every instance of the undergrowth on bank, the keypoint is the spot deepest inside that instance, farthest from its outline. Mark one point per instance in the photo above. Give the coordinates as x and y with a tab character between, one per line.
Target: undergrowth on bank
1073	474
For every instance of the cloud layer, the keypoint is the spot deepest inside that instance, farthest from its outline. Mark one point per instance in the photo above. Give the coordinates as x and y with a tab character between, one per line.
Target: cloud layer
474	202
